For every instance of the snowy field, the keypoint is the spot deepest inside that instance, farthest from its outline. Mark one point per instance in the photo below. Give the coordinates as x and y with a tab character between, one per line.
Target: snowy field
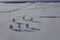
43	26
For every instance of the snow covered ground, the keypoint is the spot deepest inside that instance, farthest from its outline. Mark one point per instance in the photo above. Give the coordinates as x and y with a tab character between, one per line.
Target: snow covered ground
43	28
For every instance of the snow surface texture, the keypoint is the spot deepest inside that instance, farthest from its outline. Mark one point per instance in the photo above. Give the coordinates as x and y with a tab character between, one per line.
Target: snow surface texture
40	28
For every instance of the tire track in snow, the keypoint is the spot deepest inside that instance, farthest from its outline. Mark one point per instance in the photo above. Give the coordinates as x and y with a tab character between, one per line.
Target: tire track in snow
14	9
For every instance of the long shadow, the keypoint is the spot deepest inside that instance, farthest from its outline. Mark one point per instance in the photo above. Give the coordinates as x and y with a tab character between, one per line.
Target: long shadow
37	21
26	30
34	21
17	30
35	29
19	23
21	30
29	30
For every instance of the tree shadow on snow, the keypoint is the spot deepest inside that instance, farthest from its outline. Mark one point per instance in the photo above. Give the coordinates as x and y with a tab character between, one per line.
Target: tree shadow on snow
26	30
22	30
37	21
34	21
29	30
17	30
35	29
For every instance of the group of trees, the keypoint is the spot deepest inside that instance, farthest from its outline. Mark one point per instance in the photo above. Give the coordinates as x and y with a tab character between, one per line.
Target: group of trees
19	24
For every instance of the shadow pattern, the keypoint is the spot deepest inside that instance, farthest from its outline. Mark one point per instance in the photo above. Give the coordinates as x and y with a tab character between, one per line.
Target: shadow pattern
34	21
26	30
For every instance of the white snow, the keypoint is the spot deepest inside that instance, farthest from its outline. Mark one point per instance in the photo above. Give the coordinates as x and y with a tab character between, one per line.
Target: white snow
49	27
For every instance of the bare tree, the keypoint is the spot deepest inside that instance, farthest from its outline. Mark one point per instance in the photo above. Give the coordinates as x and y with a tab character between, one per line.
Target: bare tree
27	25
13	20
